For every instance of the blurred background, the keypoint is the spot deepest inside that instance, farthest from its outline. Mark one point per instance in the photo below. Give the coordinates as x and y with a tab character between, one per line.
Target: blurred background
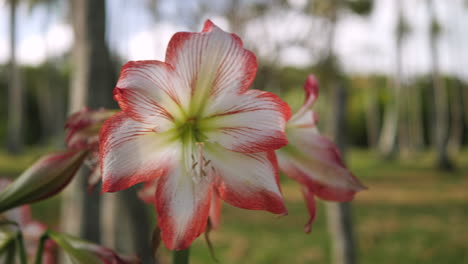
393	95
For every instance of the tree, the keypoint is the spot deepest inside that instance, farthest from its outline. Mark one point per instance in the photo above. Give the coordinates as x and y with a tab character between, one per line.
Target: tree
15	91
388	137
92	84
339	214
441	108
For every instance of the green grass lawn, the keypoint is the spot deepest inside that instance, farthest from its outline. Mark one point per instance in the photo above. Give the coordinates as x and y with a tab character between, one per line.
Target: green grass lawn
410	214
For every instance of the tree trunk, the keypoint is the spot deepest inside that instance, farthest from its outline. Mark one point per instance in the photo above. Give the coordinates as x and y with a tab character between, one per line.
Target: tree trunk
125	224
464	90
81	209
393	114
456	135
15	92
388	136
93	82
372	116
416	122
440	100
339	214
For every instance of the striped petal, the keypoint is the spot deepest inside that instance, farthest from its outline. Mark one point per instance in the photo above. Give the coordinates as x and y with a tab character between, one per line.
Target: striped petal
131	152
314	161
311	207
183	206
151	92
246	180
215	210
250	122
212	63
311	94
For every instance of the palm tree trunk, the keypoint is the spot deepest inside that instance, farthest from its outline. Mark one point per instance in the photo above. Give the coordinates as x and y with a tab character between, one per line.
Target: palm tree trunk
15	92
456	105
339	215
93	82
416	122
388	135
393	114
80	211
339	220
372	116
440	100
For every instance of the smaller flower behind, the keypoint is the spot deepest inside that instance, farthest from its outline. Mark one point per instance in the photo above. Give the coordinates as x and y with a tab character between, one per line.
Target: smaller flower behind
82	128
82	133
313	160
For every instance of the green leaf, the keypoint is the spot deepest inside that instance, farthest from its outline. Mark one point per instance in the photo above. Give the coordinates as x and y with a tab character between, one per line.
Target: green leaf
77	255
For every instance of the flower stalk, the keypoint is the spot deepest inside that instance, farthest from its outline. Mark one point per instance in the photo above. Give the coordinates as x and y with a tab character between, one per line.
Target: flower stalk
19	243
181	256
40	248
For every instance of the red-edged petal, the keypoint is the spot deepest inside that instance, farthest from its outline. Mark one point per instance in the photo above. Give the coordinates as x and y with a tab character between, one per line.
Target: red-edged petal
147	192
247	180
215	210
131	152
151	92
307	120
311	207
183	206
311	89
312	157
250	122
211	63
83	128
321	190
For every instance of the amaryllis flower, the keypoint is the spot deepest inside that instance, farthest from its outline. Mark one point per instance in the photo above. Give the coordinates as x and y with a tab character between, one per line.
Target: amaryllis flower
192	123
313	160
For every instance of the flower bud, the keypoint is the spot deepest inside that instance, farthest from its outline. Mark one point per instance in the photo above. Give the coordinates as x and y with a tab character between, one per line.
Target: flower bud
81	251
45	178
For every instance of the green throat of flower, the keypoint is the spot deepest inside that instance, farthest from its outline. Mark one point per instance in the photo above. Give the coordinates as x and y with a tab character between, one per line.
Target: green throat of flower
191	131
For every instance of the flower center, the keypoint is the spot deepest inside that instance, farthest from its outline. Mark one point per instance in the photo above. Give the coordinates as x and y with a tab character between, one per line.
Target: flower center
193	142
190	131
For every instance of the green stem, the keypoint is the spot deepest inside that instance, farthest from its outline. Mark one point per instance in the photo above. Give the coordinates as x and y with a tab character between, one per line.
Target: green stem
40	248
181	256
10	254
20	246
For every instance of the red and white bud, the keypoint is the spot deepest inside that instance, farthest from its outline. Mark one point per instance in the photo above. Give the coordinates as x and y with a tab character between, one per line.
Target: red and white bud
45	178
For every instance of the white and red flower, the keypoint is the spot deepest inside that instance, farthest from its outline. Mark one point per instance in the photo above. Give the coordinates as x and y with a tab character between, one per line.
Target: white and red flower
192	123
313	160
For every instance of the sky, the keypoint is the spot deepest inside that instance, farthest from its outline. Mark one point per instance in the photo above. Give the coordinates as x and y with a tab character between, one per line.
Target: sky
364	44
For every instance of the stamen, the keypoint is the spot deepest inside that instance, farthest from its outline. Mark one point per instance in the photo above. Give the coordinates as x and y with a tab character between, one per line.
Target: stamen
201	159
